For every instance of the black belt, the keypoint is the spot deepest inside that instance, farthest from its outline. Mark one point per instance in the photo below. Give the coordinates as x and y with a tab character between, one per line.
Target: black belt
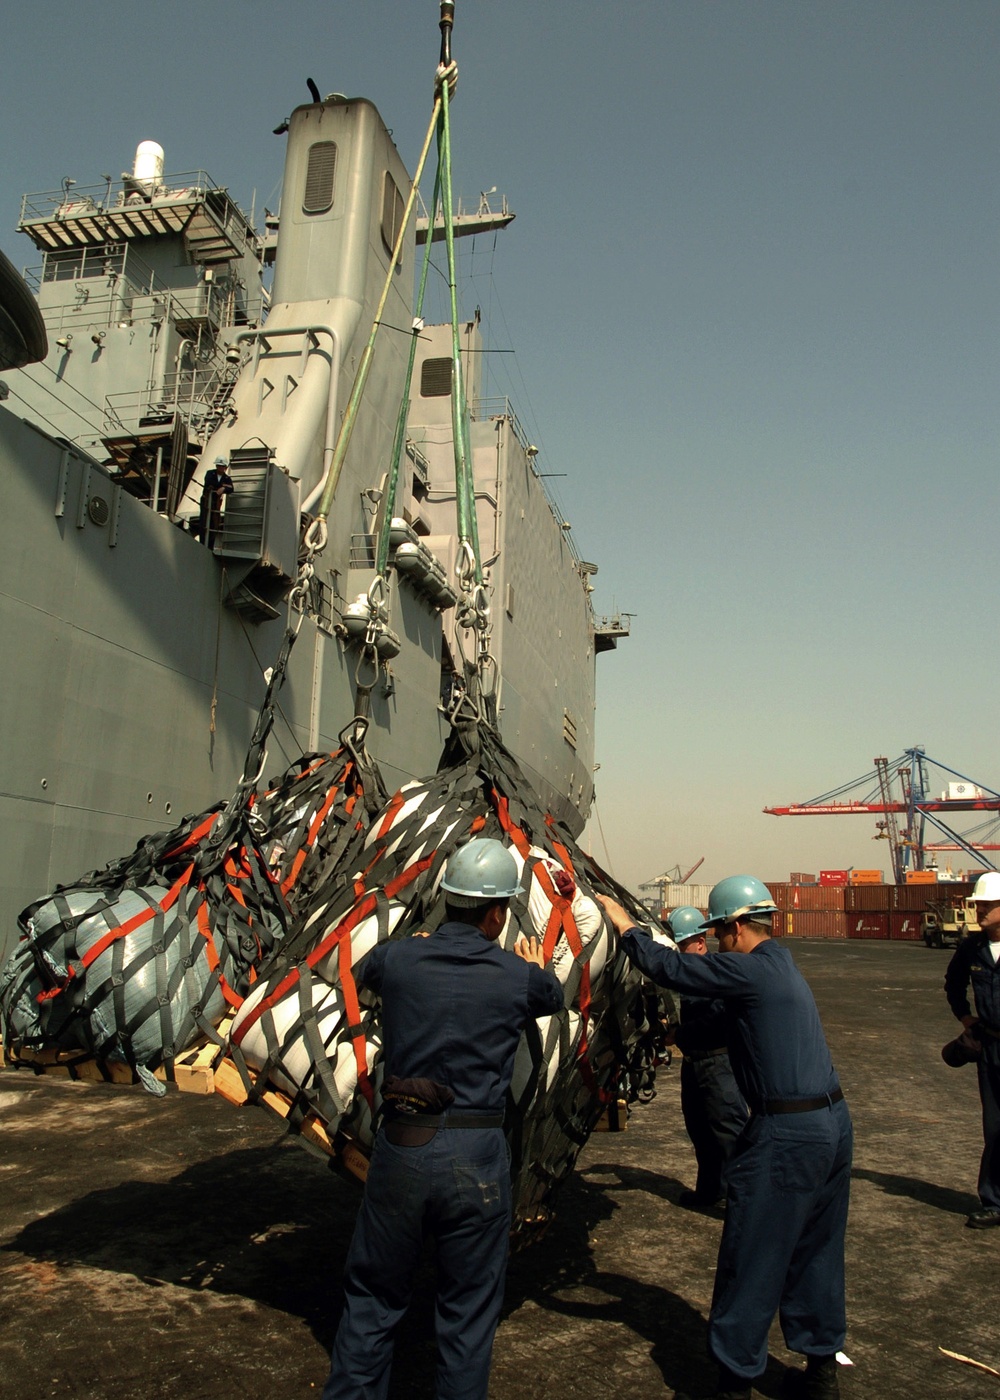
800	1105
449	1120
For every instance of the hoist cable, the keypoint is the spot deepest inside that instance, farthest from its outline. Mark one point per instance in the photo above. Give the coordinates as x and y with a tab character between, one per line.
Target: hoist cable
468	528
382	556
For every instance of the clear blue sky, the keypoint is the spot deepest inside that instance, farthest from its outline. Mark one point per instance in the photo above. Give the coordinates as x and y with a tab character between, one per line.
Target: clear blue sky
753	289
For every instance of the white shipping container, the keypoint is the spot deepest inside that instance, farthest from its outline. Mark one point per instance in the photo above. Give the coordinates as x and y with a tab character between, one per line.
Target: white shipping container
676	895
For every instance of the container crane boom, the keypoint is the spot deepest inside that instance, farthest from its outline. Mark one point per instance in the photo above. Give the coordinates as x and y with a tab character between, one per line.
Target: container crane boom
908	845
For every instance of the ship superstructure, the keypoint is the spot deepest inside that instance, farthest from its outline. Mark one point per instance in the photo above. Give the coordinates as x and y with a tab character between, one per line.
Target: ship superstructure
141	649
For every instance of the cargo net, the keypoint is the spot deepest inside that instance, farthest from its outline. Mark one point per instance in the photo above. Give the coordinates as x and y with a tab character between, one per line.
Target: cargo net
265	908
139	961
306	1029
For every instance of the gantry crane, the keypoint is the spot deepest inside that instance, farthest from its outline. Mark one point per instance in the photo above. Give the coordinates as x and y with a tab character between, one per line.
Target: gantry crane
910	773
672	876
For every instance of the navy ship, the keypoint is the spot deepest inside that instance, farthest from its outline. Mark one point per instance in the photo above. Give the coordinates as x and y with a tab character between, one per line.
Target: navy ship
172	397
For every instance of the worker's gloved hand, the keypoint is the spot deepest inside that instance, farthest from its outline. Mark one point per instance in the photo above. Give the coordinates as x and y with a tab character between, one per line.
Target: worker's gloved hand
446	73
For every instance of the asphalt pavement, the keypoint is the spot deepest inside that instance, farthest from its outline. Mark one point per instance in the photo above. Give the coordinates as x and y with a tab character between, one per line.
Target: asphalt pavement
187	1249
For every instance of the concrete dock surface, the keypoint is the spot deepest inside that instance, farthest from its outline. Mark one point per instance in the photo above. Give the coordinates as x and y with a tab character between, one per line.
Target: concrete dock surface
183	1249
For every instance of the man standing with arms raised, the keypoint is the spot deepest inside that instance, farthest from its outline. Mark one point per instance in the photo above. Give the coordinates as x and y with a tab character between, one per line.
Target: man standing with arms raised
788	1179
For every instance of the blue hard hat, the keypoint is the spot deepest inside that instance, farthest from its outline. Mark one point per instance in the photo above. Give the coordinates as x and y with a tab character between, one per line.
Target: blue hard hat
481	869
738	897
685	922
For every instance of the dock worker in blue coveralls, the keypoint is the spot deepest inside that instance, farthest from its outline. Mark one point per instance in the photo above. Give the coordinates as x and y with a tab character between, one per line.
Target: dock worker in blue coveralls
788	1179
712	1105
977	958
453	1008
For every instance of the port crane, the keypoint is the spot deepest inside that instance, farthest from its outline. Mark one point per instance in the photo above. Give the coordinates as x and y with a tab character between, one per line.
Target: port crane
672	876
898	791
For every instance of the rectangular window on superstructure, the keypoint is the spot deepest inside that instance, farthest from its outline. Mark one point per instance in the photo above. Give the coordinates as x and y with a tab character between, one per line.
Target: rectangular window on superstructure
320	170
435	379
392	213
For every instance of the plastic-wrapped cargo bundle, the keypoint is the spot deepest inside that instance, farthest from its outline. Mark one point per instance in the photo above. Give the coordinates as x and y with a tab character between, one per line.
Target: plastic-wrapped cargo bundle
137	962
312	1034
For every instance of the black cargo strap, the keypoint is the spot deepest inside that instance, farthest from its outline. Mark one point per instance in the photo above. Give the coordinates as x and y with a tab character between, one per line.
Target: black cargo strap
449	1120
771	1106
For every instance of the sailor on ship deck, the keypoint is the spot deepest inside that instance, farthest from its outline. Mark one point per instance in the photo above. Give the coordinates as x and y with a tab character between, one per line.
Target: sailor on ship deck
453	1008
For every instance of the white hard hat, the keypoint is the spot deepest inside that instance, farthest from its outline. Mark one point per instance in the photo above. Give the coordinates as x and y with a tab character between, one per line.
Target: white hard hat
987	887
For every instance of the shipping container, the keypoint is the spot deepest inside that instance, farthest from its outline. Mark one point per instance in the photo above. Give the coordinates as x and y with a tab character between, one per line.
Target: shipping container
905	926
867	924
814	923
921	877
799	877
866	877
912	899
779	892
834	877
695	895
817	897
807	896
868	899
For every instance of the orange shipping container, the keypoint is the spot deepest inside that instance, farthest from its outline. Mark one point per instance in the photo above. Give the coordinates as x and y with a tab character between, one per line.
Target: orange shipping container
866	877
814	923
921	877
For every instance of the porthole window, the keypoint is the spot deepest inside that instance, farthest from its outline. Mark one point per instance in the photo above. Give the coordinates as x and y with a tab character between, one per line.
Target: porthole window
322	166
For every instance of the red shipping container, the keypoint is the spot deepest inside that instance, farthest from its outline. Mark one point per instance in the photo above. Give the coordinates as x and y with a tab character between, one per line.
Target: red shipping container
912	899
834	877
867	924
780	892
905	926
815	923
868	899
815	897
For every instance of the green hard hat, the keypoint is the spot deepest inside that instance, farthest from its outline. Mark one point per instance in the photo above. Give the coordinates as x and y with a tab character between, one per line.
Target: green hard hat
738	897
685	922
481	869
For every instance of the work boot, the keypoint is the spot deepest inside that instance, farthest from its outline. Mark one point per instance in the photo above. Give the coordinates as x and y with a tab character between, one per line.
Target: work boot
698	1201
730	1387
984	1219
819	1381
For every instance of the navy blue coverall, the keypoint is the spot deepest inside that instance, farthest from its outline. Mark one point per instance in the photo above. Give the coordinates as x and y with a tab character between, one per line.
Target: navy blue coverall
453	1008
789	1177
973	962
712	1105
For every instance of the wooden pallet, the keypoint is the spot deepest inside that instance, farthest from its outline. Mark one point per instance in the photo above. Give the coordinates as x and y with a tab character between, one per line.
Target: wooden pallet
193	1071
230	1085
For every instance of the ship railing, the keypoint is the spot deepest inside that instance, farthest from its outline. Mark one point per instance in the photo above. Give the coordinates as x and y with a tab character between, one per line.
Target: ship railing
73	200
219	302
196	393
